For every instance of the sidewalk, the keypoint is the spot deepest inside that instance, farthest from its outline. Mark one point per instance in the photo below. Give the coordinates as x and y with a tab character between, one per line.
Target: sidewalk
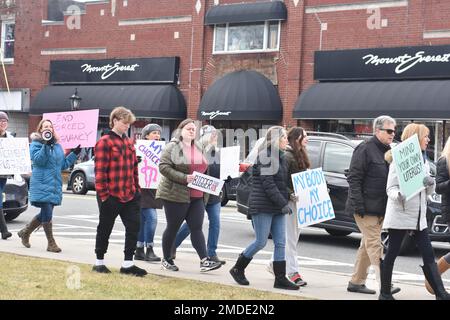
321	285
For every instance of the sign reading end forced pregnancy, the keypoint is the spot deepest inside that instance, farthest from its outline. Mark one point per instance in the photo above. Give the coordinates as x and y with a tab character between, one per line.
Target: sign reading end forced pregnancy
314	203
409	164
75	127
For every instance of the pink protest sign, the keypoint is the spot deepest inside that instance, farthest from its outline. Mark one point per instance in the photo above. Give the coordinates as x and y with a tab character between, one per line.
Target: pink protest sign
76	127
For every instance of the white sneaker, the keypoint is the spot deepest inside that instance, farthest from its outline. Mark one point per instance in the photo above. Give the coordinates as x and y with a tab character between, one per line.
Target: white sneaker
168	265
207	265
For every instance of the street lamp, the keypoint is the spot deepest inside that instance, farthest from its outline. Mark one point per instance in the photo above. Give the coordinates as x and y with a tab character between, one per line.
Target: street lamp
75	101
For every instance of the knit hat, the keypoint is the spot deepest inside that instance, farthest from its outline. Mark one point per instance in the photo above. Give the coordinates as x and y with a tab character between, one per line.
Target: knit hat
207	129
149	128
4	116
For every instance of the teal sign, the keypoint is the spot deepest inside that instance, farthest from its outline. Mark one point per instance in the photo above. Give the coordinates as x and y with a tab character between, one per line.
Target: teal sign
408	161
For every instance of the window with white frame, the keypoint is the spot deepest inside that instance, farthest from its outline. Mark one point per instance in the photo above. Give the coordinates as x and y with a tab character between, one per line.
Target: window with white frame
7	45
246	37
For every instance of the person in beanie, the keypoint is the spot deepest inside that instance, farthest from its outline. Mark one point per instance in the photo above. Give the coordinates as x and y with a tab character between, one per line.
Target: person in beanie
48	160
3	134
149	216
268	205
117	186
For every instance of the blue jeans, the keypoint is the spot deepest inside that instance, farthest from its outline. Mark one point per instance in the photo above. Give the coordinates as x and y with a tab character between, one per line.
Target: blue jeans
265	223
149	220
2	187
46	213
213	211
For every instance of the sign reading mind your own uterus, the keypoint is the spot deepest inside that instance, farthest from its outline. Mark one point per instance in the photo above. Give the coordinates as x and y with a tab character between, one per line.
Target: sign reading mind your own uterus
314	203
75	128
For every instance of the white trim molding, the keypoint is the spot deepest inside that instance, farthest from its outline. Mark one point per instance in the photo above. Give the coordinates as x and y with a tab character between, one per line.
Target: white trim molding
159	20
58	51
357	6
436	34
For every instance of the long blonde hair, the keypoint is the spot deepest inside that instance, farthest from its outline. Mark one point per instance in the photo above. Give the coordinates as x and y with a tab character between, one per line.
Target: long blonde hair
414	128
446	153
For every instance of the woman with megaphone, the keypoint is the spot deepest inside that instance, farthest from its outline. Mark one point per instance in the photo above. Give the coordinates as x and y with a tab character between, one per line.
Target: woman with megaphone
48	159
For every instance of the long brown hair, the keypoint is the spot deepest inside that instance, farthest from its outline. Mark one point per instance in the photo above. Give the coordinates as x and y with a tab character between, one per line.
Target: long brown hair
41	124
295	138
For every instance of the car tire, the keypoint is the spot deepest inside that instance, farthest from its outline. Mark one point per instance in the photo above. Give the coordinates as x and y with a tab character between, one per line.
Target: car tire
407	247
223	198
79	184
338	233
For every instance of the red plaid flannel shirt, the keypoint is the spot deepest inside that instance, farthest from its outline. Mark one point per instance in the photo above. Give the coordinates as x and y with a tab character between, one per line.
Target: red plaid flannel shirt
116	168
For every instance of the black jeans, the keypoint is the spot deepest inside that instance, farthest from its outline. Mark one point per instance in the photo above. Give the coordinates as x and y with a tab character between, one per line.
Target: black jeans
129	213
422	240
176	213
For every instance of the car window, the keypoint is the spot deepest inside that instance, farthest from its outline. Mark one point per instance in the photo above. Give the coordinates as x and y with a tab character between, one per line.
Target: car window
337	157
313	149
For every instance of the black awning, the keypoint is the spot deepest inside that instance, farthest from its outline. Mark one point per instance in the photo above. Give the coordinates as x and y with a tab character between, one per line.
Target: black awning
246	12
241	95
426	99
149	101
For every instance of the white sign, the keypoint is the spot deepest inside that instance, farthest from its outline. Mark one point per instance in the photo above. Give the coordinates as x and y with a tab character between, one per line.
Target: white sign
14	156
314	203
229	162
108	70
206	183
150	151
406	62
214	114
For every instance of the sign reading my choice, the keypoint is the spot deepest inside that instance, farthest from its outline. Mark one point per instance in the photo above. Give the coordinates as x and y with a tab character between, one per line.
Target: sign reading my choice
314	204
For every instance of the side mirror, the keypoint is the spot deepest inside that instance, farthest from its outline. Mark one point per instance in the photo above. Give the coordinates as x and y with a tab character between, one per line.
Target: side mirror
346	172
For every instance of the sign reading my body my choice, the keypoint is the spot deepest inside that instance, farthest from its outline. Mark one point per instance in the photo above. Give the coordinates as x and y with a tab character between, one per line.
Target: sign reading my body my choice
314	204
408	161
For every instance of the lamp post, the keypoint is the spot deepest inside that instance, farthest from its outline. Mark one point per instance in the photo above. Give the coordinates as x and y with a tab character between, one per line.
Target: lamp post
75	101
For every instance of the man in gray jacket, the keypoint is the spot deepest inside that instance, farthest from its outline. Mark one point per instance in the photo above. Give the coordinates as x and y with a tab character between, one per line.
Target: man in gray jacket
367	199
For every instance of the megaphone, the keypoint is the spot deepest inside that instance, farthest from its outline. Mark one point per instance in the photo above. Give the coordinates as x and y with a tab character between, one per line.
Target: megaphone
47	135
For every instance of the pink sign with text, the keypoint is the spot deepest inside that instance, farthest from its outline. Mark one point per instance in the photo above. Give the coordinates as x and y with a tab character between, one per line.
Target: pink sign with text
75	128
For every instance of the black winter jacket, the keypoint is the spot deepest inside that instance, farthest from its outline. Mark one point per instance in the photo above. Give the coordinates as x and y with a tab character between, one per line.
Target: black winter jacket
269	192
443	187
367	179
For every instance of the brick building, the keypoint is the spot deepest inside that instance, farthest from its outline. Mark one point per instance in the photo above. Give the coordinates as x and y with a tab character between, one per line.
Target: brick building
209	40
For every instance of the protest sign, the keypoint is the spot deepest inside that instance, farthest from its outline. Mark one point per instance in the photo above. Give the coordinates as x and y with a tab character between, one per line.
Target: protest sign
206	183
314	204
150	152
75	128
408	161
14	156
229	162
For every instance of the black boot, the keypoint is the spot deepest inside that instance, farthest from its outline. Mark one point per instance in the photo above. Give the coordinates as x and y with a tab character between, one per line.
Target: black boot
386	280
139	254
3	228
281	282
431	272
151	256
237	272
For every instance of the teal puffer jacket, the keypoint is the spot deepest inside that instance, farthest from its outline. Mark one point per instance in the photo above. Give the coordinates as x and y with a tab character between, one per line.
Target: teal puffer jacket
47	163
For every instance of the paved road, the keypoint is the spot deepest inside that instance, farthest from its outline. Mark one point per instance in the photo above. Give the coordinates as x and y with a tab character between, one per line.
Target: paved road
78	217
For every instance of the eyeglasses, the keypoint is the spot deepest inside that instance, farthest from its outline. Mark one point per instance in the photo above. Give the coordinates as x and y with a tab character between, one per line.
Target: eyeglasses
3	121
388	131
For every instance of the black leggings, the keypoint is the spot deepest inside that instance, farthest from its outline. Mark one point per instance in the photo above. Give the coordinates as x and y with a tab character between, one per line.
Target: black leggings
395	240
176	213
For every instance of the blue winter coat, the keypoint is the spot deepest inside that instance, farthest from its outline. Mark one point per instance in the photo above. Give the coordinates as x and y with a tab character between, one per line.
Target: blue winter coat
47	163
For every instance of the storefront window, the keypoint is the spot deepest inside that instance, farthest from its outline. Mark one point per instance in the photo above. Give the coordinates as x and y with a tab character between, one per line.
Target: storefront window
246	37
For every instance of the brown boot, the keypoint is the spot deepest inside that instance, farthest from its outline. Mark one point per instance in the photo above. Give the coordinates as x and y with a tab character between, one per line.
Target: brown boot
25	233
52	246
442	266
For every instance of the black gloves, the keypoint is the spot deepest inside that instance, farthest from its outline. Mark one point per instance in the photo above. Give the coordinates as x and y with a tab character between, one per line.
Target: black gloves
77	150
286	210
139	159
